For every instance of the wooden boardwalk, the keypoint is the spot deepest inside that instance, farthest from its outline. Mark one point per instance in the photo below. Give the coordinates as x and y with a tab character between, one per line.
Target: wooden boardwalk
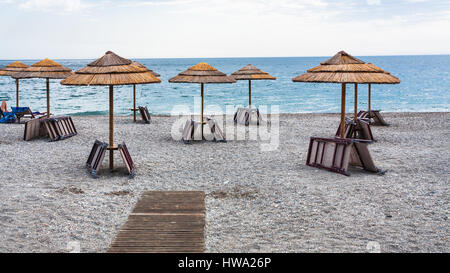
164	221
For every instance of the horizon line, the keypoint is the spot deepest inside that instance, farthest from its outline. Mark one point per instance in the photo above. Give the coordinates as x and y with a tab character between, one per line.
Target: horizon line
235	57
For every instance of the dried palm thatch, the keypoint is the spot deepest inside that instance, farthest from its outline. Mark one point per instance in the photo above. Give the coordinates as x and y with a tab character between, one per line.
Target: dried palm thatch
202	73
344	68
151	71
13	68
111	69
44	69
250	72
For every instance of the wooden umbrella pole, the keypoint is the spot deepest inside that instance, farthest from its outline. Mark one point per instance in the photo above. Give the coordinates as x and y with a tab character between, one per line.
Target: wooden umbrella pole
134	102
369	98
356	102
48	97
202	109
17	92
343	111
249	94
111	127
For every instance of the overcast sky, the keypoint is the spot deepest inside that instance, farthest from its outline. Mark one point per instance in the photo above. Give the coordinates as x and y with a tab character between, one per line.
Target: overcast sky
34	29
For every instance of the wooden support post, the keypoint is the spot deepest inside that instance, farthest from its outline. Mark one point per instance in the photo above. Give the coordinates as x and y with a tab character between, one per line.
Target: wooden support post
134	102
249	94
343	110
17	92
356	103
369	98
111	127
202	109
48	97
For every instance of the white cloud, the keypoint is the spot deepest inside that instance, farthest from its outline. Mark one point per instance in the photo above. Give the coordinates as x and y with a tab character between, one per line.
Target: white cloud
373	2
55	5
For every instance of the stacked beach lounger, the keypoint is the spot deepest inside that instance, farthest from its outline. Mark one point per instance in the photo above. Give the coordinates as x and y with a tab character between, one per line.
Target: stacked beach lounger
192	127
357	130
97	155
245	116
56	128
374	116
336	154
145	114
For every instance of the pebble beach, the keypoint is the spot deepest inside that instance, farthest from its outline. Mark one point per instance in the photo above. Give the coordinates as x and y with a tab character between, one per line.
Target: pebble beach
256	200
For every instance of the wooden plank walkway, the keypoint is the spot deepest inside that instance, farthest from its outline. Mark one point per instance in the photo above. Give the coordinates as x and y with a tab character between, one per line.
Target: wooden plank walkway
164	221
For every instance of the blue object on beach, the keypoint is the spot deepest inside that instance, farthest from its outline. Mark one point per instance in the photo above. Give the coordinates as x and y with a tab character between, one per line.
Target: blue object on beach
8	117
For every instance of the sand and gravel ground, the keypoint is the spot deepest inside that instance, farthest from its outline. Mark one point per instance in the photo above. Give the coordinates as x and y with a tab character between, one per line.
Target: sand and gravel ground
257	201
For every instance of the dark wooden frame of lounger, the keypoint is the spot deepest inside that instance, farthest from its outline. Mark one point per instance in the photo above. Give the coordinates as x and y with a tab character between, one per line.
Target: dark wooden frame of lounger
59	128
96	156
127	159
34	129
359	130
247	116
145	114
344	162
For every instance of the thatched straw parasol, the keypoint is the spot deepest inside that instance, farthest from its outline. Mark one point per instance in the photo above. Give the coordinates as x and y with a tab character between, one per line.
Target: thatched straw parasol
134	87
250	72
202	73
344	68
11	69
46	69
111	70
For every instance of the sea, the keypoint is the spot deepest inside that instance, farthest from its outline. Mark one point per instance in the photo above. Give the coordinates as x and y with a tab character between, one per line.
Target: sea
424	87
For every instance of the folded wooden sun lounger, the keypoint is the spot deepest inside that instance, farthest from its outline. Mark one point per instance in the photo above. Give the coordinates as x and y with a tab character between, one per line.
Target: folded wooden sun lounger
163	222
336	154
246	115
56	128
359	130
144	114
375	117
191	127
97	155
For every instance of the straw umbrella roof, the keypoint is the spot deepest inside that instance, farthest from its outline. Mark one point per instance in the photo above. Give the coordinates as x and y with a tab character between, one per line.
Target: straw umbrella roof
44	69
250	72
202	73
13	68
151	71
111	69
344	68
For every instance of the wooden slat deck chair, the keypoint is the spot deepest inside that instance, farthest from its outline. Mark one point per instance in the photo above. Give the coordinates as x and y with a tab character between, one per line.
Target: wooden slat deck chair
97	155
359	130
374	116
56	128
145	114
34	129
191	131
336	154
164	222
245	116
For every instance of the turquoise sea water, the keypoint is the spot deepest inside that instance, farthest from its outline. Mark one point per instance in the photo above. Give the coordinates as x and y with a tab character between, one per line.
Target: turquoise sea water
425	87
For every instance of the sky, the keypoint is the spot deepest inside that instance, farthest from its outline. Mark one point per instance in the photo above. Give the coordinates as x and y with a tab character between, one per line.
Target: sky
72	29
